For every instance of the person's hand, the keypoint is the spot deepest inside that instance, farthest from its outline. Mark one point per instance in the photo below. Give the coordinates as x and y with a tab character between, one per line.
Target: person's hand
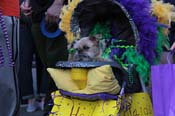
53	12
173	46
26	9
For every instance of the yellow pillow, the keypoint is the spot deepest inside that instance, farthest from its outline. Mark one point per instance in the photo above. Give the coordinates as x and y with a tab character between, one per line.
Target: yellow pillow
62	79
101	80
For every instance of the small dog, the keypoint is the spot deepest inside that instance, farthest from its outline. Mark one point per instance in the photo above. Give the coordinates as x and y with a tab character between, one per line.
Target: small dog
86	49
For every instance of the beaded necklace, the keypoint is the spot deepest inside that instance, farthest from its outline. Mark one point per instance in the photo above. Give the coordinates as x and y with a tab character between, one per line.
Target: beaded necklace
6	37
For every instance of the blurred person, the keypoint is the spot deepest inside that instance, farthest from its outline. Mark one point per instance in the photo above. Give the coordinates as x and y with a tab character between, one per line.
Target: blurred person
172	35
27	50
173	46
166	54
50	50
172	29
9	57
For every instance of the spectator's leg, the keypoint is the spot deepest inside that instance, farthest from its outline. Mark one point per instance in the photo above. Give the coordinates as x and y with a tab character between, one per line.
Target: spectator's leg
25	71
50	51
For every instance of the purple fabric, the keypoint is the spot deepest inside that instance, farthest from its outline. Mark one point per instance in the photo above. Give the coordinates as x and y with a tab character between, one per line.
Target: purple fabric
98	96
139	11
163	89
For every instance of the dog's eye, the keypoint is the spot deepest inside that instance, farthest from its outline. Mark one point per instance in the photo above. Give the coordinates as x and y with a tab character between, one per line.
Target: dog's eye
76	49
85	47
71	51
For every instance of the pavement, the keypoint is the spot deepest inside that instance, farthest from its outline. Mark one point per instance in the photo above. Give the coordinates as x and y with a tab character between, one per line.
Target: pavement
23	107
24	113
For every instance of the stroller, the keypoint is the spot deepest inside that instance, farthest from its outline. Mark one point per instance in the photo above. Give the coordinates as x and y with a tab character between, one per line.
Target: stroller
127	36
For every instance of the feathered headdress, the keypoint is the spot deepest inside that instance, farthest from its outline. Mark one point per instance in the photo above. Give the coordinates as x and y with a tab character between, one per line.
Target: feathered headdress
129	24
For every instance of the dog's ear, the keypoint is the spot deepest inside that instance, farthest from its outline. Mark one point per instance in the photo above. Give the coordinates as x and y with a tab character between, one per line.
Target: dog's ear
98	36
94	39
71	45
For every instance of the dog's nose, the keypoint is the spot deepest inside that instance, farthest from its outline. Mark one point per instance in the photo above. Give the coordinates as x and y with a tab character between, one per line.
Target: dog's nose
78	58
80	50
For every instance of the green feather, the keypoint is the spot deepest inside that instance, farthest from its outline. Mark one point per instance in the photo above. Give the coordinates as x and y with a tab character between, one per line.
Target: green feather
142	66
102	29
162	41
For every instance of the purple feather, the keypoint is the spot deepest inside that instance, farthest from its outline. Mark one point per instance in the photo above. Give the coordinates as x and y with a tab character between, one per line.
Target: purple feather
139	11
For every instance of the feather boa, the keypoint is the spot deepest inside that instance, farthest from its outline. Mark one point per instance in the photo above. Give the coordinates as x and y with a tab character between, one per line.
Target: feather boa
142	66
140	12
66	15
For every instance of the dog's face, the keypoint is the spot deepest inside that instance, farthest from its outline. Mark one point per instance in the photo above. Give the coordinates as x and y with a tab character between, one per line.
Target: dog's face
86	49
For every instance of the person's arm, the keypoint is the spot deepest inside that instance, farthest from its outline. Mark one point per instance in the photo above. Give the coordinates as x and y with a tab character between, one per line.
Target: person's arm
173	46
53	12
